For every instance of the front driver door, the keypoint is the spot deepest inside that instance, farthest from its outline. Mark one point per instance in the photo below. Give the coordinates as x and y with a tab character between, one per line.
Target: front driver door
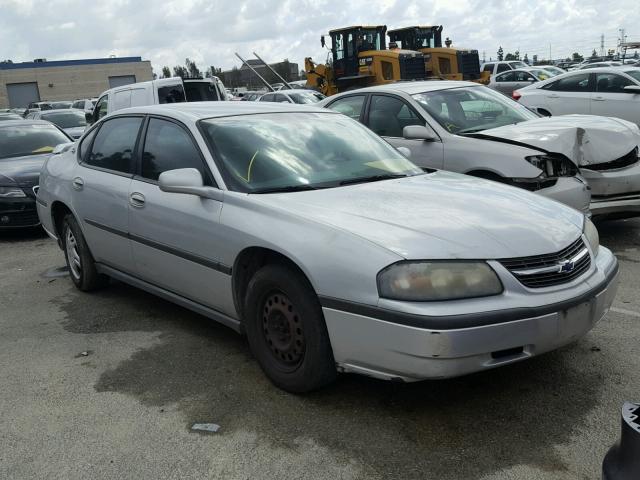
174	235
388	115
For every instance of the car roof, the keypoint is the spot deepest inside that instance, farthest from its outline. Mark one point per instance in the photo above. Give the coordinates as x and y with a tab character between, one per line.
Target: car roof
24	123
417	87
194	111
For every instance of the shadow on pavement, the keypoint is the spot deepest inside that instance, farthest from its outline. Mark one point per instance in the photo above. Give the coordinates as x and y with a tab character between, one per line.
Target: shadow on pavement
459	428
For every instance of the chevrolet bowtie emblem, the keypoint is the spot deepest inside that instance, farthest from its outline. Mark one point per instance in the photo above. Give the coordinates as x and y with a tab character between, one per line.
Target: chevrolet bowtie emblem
566	266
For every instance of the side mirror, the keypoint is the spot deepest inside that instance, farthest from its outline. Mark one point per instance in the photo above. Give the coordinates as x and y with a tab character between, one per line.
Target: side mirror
632	89
417	132
187	181
404	151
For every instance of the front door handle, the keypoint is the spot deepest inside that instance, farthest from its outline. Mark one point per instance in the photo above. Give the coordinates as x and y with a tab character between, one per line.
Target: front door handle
78	183
553	95
136	199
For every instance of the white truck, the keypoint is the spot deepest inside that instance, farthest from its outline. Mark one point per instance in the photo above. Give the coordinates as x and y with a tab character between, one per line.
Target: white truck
164	90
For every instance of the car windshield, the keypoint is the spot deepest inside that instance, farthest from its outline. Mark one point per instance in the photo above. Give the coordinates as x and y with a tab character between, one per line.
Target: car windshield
68	119
541	74
634	73
306	97
21	140
273	152
472	109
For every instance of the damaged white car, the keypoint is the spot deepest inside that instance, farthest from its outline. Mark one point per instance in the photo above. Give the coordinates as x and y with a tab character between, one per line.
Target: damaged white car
468	128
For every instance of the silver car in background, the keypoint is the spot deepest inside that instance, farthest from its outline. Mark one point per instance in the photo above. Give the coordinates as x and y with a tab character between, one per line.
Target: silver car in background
507	82
320	241
72	120
440	123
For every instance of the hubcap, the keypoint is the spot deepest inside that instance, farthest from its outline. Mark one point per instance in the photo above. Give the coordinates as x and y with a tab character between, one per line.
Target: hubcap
75	265
282	330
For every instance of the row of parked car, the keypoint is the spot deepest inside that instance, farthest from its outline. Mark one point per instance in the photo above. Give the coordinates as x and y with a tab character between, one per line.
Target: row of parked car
340	236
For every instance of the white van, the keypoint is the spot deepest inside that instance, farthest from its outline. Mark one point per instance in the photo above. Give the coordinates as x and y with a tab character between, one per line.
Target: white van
164	90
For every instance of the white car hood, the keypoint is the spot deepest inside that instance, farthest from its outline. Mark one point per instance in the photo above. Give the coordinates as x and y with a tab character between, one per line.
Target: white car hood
584	139
442	215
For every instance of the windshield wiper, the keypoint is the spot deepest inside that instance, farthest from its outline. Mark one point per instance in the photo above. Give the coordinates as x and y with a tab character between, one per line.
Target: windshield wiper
373	178
288	188
471	130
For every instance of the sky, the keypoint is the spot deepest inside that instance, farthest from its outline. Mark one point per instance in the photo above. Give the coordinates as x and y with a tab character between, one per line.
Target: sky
210	31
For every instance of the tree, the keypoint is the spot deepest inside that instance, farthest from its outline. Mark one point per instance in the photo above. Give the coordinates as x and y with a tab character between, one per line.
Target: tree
166	72
179	71
517	55
213	72
510	56
526	59
576	57
500	54
192	69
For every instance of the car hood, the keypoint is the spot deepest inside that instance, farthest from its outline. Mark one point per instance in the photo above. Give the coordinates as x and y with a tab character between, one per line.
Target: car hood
440	215
21	170
584	139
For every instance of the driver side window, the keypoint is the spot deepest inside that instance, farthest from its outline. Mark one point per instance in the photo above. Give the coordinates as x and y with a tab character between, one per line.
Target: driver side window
389	115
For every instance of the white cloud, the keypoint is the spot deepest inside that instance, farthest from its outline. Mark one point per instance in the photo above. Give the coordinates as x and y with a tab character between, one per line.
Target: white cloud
210	31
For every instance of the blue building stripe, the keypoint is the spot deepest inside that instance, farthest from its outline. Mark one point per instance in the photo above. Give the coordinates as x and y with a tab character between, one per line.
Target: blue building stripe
69	63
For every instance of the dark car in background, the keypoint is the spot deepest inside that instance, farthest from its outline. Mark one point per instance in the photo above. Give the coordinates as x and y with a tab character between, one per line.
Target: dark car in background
72	121
24	146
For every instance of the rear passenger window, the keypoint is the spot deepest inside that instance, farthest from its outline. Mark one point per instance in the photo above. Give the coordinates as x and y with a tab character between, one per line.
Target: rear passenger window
114	145
349	106
573	83
171	94
167	147
506	77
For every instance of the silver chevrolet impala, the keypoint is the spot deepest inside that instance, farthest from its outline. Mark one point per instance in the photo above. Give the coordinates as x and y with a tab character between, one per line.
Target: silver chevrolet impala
333	253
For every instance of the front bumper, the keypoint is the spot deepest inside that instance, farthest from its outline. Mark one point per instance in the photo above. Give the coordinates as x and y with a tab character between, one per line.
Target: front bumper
18	213
614	192
571	191
388	350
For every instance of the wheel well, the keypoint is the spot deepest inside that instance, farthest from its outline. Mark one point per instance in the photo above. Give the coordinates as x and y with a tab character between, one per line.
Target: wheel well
487	175
247	263
544	112
58	211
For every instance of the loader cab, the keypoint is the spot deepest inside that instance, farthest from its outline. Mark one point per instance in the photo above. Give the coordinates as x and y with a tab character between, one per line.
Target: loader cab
417	38
348	43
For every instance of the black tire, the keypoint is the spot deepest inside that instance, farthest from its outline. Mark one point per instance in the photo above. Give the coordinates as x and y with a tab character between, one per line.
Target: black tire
286	330
81	265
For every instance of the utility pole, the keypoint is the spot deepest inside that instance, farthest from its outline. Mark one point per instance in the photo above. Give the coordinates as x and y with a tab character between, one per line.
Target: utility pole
602	45
550	57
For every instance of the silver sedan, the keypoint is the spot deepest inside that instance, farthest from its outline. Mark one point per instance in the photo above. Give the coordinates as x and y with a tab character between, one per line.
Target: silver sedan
329	249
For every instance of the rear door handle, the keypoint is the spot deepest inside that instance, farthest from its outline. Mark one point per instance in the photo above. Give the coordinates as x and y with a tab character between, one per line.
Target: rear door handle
553	95
599	99
136	199
78	183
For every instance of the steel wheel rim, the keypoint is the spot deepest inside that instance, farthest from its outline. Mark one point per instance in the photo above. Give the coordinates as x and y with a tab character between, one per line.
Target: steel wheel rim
73	257
281	328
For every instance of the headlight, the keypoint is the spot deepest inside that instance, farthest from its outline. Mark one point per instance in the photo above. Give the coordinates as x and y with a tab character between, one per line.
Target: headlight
591	232
437	280
11	192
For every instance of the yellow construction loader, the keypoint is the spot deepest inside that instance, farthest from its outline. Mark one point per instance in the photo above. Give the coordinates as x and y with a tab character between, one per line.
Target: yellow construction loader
441	62
359	58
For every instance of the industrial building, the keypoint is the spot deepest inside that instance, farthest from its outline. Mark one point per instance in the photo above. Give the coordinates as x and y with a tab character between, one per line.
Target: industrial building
22	83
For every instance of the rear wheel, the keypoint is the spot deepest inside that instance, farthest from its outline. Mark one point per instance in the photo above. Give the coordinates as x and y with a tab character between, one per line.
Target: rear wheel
286	330
80	262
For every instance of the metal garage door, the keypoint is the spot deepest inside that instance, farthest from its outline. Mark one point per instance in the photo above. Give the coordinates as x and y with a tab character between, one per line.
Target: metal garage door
121	80
22	94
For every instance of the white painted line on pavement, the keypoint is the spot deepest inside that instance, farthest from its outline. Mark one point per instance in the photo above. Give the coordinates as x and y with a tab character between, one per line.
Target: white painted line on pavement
625	312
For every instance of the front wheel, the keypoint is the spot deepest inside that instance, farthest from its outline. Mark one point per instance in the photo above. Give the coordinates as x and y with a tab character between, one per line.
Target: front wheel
286	330
80	262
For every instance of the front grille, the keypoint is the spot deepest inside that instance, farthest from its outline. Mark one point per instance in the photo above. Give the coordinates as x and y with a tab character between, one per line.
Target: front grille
627	160
469	64
540	271
412	67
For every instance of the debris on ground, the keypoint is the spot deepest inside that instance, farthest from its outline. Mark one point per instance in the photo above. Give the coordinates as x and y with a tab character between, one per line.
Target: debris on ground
86	353
205	427
595	349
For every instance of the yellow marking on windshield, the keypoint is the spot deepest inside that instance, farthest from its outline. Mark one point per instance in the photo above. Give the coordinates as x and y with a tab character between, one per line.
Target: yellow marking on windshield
248	177
382	165
42	150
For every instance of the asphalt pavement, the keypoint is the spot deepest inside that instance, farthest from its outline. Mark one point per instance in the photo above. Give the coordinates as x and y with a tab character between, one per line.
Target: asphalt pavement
108	384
